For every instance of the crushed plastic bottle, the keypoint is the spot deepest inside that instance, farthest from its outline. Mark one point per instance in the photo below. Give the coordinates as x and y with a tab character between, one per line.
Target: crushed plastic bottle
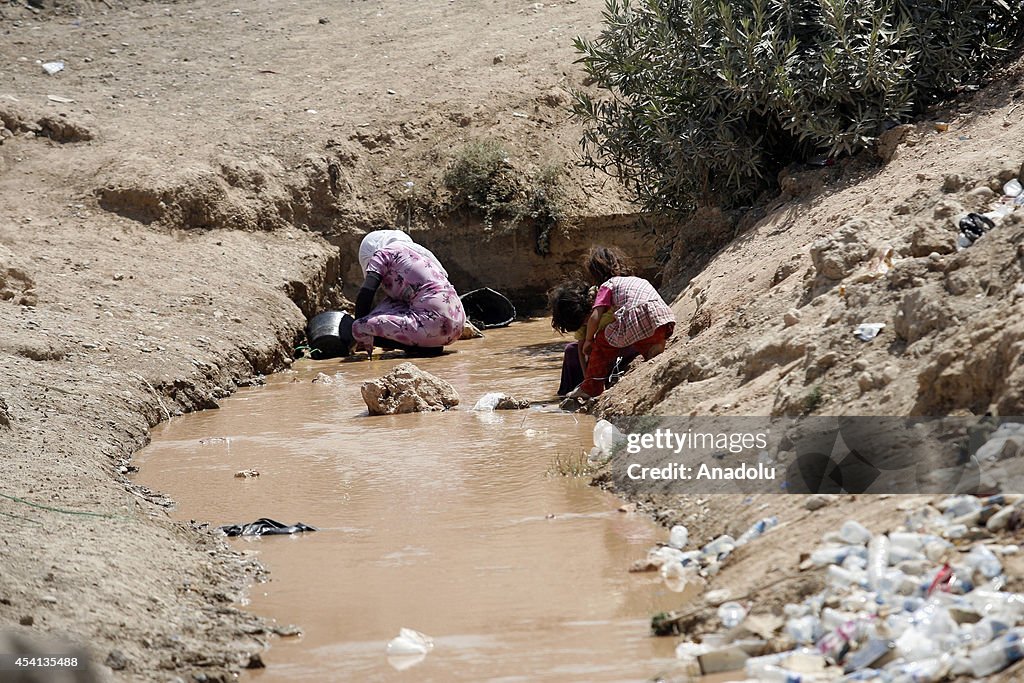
488	401
660	556
997	655
757	529
854	533
723	545
805	630
732	614
676	577
606	437
985	631
678	537
955	506
835	554
410	642
840	577
984	561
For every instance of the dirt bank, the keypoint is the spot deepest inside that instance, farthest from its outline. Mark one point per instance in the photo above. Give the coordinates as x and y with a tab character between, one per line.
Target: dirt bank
171	205
767	323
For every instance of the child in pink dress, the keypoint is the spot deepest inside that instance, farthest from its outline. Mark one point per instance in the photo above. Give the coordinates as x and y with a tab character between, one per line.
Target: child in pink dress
643	323
421	311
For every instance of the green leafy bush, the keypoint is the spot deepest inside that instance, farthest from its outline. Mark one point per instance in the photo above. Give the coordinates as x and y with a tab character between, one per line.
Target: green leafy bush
482	179
703	101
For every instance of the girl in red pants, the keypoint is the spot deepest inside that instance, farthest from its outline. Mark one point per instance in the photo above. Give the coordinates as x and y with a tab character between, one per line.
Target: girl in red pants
643	323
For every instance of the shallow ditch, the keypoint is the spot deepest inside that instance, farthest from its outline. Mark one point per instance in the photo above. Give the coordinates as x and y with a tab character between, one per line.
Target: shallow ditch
454	524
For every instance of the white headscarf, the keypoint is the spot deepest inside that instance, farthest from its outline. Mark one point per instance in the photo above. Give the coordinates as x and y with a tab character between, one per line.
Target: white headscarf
378	239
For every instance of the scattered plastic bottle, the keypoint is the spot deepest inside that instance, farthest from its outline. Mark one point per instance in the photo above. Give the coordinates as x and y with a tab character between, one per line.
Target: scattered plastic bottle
986	630
732	614
929	671
878	561
804	630
955	506
488	401
984	561
606	437
676	577
854	533
955	531
410	642
840	577
723	545
757	529
678	537
997	655
663	555
989	602
835	554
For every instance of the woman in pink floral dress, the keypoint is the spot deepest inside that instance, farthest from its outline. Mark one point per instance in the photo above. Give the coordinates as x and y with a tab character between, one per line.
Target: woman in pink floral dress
421	311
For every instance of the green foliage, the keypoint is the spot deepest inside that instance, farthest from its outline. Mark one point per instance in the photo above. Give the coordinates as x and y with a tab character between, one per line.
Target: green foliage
483	179
703	101
813	400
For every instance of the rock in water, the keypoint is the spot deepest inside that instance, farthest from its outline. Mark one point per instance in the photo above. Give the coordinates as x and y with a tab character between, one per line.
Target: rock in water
407	389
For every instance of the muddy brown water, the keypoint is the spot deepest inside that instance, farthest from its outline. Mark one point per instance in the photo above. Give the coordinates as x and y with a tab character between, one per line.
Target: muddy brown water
453	524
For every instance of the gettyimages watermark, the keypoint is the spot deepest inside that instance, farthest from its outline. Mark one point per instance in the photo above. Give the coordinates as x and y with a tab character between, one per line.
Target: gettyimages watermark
729	454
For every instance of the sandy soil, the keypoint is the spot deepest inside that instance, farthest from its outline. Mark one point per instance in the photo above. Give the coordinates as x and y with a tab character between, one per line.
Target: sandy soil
167	203
172	203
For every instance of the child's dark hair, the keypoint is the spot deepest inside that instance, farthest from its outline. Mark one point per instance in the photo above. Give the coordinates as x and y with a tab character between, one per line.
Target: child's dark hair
569	303
607	262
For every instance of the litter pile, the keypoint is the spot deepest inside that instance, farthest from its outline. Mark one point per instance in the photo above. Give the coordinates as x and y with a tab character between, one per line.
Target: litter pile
974	225
925	602
681	569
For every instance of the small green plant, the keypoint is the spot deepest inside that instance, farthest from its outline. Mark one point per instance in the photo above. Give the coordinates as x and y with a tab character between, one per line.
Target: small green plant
813	400
483	179
570	465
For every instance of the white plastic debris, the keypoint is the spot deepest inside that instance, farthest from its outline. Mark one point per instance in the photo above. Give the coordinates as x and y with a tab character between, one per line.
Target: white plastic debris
868	331
920	603
1012	188
53	68
757	529
854	533
678	537
606	438
677	577
410	642
732	614
488	401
